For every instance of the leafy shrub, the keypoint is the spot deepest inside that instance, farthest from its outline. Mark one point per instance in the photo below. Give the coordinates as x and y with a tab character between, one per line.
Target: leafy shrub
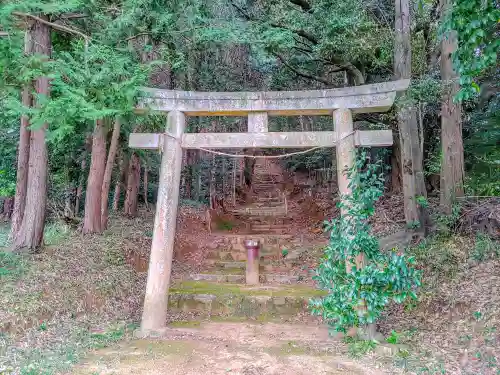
485	248
357	297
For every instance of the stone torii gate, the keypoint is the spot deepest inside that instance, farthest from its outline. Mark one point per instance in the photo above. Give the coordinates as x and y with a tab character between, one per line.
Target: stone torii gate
340	103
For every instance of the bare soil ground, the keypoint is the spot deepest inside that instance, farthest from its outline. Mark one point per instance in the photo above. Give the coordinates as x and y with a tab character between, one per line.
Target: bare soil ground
229	348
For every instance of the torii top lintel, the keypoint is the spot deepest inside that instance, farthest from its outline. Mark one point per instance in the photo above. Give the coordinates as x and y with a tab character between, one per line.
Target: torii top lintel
377	97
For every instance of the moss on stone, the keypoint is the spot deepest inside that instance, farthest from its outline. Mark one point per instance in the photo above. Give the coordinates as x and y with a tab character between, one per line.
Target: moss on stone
185	324
224	271
219	289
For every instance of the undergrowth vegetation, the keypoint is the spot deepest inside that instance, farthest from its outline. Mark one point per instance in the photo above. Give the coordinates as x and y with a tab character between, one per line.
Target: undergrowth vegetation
79	295
453	326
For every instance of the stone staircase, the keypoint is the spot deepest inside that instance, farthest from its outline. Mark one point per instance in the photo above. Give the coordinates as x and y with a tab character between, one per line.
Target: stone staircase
226	263
267	211
219	288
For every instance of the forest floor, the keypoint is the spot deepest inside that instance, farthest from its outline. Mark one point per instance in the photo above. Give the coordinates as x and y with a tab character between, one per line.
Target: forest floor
75	307
230	348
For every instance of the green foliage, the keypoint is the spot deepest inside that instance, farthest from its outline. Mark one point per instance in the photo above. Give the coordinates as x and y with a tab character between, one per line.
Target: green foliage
475	22
485	248
224	225
447	223
393	338
315	39
422	201
101	340
481	144
358	348
12	266
357	297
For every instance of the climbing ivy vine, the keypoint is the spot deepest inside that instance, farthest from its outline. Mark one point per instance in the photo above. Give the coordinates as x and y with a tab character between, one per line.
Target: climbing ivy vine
476	24
358	297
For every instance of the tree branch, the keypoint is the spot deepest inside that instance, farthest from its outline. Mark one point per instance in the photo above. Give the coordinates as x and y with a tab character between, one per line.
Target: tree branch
302	73
71	16
241	11
304	34
135	36
351	69
4	33
306	7
51	24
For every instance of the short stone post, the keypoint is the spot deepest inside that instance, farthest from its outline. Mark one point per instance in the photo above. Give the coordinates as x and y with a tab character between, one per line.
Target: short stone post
154	314
252	272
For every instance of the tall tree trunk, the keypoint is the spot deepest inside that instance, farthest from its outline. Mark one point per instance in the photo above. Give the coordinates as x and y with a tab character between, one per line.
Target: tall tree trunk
120	180
133	181
92	220
107	174
396	184
411	156
30	234
452	162
145	183
23	151
81	178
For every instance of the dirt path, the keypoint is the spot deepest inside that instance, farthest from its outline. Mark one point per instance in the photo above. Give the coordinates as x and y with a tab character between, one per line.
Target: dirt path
228	348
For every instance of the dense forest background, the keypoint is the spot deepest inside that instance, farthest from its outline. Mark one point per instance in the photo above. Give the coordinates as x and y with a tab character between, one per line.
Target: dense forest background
72	72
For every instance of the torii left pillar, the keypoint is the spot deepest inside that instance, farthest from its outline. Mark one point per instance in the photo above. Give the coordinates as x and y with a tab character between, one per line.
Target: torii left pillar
154	315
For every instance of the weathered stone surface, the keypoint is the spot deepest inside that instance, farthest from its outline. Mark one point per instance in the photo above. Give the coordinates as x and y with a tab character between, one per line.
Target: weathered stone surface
281	279
368	98
258	122
380	138
231	264
235	278
240	300
280	301
160	264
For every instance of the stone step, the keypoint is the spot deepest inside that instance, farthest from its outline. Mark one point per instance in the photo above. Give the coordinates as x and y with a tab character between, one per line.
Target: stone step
269	220
260	172
218	278
268	225
268	199
266	180
240	300
260	212
268	230
268	204
227	255
231	265
240	278
265	188
216	258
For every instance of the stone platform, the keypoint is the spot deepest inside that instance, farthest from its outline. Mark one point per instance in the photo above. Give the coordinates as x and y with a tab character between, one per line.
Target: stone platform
236	300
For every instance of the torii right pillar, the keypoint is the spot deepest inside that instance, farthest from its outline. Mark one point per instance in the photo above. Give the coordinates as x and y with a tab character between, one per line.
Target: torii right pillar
343	125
